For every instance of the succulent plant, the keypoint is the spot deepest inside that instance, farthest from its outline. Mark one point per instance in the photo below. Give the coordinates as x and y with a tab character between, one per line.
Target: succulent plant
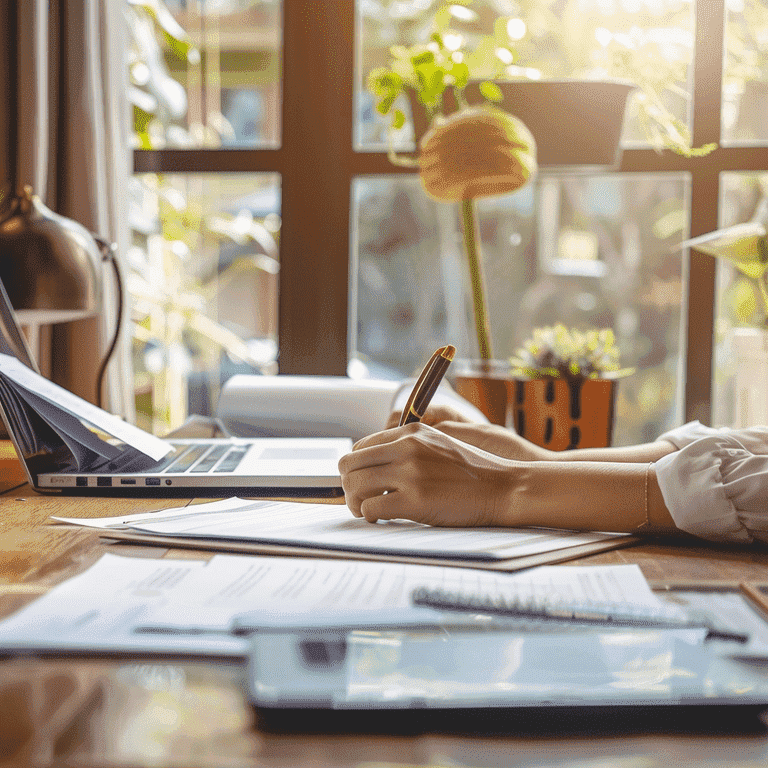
559	352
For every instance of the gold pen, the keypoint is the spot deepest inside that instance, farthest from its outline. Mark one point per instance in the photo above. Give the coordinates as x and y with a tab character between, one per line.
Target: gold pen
427	384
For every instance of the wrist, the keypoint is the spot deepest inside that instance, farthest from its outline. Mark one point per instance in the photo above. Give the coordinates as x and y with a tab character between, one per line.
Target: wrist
513	495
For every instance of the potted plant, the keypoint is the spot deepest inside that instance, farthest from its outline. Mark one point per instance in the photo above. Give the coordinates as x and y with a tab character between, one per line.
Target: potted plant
473	127
467	153
563	387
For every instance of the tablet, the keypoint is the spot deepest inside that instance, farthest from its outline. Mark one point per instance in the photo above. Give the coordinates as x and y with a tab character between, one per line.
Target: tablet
365	675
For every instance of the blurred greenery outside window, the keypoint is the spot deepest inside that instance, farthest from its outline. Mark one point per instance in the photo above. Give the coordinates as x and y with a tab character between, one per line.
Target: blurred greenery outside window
204	261
596	250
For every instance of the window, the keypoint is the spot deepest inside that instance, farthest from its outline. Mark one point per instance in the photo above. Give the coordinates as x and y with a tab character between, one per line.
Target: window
278	165
205	258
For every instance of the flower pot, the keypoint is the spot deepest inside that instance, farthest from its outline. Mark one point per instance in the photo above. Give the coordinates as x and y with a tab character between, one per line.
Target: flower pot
485	383
560	415
562	115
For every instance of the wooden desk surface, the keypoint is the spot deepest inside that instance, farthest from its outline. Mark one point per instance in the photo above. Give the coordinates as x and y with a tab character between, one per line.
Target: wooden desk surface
91	712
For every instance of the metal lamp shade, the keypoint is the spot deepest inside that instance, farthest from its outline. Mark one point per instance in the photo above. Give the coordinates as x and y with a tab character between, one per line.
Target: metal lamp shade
50	266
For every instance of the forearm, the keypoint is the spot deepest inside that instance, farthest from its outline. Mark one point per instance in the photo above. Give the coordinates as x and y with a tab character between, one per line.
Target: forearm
631	453
596	496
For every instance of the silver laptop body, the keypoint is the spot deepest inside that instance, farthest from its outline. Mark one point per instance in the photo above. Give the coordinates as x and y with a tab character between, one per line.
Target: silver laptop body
293	466
212	466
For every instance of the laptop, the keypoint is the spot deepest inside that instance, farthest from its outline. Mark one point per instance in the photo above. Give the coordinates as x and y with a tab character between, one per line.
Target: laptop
68	445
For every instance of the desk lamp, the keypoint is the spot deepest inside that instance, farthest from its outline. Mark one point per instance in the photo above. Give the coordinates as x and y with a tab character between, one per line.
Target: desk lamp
50	269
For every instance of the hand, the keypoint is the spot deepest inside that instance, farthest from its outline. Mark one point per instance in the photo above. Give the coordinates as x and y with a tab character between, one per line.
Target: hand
489	437
435	415
419	473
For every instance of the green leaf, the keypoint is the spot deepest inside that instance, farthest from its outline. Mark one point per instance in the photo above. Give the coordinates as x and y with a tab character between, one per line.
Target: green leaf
183	49
752	269
385	105
460	73
423	57
141	121
491	91
398	119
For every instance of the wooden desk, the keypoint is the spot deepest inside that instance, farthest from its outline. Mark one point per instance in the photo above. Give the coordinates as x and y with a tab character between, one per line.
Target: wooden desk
91	712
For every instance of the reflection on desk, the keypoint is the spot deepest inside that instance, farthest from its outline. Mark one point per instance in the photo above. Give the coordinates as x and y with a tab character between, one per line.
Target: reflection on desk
96	712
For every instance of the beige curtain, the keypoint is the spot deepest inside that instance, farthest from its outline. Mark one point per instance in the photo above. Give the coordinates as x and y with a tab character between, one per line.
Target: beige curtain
68	133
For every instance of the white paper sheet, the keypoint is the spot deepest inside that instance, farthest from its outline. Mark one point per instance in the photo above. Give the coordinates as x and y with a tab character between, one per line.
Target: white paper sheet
272	591
333	527
59	398
126	521
100	609
190	606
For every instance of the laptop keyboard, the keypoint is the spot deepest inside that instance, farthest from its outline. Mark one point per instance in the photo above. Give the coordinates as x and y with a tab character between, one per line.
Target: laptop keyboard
231	460
209	462
204	458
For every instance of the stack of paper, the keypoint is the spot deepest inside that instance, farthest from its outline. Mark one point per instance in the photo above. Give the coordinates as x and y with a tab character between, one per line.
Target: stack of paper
272	527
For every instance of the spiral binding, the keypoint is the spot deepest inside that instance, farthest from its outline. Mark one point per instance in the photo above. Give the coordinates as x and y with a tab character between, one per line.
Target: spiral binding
587	612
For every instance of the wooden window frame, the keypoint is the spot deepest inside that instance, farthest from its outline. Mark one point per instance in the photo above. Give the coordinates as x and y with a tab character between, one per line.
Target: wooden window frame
317	164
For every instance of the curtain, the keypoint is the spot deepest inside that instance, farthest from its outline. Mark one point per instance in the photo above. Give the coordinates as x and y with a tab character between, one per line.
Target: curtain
69	141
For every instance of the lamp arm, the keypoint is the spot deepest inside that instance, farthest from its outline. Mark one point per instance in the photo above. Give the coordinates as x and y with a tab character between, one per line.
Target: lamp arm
108	252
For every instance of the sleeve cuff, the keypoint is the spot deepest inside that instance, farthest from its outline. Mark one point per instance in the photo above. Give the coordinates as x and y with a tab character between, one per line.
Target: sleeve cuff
691	483
686	434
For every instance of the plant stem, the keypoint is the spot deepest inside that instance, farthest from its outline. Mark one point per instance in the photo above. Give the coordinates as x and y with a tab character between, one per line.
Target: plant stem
474	258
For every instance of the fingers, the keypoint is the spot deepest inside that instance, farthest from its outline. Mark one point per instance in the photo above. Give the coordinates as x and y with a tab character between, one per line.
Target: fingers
382	507
372	474
386	436
435	415
361	485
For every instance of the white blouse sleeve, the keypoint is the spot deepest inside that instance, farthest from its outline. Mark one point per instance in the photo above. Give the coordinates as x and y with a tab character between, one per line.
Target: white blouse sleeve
716	484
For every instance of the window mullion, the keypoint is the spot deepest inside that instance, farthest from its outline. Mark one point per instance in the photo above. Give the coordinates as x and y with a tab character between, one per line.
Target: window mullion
707	97
317	144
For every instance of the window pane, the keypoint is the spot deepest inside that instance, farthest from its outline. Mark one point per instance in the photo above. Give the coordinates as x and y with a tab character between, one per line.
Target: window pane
743	197
205	74
745	73
585	251
584	39
202	276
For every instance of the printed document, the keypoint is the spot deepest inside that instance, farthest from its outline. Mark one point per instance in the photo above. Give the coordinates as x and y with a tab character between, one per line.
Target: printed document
140	605
332	527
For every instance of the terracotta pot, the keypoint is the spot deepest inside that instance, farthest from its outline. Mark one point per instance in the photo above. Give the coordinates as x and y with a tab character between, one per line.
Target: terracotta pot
485	383
561	415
